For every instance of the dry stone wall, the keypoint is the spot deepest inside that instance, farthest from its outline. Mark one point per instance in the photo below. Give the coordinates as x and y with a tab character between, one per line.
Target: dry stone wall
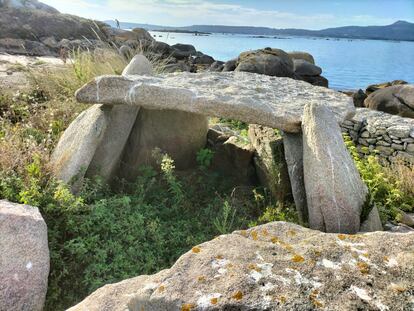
374	132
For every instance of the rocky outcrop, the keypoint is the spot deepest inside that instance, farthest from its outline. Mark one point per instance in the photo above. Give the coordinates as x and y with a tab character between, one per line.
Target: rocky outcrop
387	136
255	99
24	258
335	192
27	5
398	100
295	55
272	62
277	266
375	87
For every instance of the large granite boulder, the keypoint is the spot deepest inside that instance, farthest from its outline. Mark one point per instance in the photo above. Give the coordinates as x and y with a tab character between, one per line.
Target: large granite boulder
24	258
277	266
302	55
375	87
397	99
27	5
252	98
335	192
305	68
270	161
272	62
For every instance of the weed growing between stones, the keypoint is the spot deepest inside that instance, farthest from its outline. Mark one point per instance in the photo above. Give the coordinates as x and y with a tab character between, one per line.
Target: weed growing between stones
388	185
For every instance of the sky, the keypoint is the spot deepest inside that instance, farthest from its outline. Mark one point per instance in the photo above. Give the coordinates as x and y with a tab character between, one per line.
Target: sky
308	14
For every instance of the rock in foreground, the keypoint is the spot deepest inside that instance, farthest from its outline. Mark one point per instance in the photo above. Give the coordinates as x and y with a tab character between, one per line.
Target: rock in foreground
278	266
24	258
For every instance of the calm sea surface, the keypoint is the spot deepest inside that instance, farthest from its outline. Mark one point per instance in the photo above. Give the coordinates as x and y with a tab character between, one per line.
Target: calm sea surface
348	64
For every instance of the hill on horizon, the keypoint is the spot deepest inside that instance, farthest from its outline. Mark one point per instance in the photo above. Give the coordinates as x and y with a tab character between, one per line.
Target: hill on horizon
400	30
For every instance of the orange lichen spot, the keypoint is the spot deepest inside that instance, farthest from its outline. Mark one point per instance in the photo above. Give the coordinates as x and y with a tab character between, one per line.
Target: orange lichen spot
291	232
196	250
219	257
253	266
298	258
161	288
288	247
201	278
254	235
187	307
363	267
341	236
313	298
282	299
229	266
265	232
366	255
317	253
386	258
275	240
214	301
243	233
237	295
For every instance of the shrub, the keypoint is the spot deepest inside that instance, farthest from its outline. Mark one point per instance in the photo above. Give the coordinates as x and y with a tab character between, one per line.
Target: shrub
389	191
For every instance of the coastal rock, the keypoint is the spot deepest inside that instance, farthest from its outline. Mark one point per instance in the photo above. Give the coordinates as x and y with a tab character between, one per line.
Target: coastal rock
27	5
230	65
335	192
139	65
316	80
302	55
183	51
272	62
398	100
304	68
277	266
270	161
204	60
359	98
293	146
24	258
375	87
217	66
78	144
255	99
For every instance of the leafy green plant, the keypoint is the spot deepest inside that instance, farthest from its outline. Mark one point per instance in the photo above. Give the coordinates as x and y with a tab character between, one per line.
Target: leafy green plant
385	191
204	158
224	222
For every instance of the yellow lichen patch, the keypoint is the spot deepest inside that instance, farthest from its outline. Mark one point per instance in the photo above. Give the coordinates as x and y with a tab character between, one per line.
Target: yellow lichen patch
363	267
366	255
313	297
386	258
275	240
282	299
229	266
341	237
291	232
237	295
214	301
187	307
161	288
298	258
243	233
253	266
265	232
397	288
317	253
219	257
201	278
254	235
196	250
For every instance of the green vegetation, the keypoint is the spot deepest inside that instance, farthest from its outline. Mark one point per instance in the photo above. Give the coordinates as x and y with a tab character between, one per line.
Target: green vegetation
390	186
104	235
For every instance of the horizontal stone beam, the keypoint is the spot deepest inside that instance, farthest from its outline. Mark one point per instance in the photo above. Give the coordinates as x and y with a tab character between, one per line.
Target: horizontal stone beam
270	101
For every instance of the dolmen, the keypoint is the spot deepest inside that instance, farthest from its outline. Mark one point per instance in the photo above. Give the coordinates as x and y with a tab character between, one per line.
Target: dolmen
139	111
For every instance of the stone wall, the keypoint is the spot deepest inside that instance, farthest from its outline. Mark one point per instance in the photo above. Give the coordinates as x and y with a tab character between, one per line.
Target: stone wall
374	132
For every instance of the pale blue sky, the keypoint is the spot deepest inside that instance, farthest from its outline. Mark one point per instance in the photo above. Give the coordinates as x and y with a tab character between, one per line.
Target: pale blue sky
310	14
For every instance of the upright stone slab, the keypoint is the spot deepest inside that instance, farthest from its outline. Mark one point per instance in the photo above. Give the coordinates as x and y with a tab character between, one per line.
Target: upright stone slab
293	144
106	161
24	258
334	190
77	146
